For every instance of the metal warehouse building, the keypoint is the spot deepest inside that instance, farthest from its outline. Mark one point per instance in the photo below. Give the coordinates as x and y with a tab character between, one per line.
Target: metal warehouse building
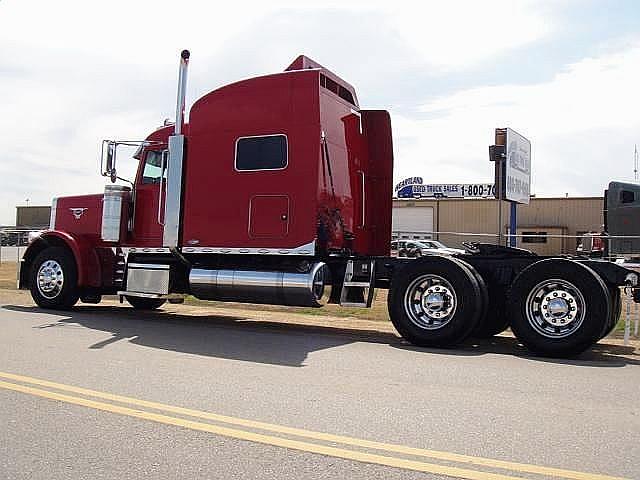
572	216
32	217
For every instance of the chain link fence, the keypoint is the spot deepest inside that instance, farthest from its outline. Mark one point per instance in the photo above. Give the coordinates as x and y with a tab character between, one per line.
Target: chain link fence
13	243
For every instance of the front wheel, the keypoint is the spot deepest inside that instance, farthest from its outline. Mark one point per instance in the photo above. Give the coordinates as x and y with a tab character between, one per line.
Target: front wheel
435	301
143	303
54	279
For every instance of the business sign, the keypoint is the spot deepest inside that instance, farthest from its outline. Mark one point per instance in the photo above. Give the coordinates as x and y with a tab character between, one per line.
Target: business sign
414	187
517	177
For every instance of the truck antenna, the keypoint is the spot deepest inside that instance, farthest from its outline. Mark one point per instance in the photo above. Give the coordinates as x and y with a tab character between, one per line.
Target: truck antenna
635	163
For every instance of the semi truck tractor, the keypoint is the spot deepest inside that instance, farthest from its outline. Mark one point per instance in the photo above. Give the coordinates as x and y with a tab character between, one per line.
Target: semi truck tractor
278	190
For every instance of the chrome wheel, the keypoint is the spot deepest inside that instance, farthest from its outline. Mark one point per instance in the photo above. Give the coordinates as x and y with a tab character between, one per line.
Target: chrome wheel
555	308
50	279
430	302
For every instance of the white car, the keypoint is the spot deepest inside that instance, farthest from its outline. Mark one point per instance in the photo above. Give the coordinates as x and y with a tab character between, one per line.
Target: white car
418	248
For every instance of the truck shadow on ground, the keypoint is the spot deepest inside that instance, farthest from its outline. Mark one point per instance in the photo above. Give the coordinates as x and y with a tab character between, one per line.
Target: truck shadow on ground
277	343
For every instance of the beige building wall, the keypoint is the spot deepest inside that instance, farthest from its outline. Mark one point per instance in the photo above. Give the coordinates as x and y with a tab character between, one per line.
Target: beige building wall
33	217
556	216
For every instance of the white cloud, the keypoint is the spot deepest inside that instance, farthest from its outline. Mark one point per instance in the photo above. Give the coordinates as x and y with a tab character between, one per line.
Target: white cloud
77	72
457	35
583	124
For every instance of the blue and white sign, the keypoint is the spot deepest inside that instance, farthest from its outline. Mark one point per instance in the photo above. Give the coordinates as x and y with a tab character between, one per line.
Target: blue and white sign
518	168
414	187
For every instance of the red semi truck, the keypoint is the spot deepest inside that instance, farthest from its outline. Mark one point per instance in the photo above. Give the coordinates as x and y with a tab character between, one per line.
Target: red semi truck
278	190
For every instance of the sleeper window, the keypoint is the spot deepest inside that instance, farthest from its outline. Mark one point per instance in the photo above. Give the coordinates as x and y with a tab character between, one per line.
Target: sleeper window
267	152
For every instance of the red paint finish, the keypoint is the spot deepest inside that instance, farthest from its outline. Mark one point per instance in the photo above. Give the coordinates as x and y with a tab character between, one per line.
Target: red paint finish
84	253
335	188
378	168
269	216
305	63
217	196
147	232
80	216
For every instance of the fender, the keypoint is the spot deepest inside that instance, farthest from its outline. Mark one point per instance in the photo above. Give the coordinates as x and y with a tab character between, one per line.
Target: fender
84	253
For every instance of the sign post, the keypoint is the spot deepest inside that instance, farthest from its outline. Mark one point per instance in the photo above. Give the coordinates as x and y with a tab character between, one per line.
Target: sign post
512	156
513	224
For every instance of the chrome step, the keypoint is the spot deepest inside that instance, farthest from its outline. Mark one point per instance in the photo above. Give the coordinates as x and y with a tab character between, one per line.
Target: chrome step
167	296
362	288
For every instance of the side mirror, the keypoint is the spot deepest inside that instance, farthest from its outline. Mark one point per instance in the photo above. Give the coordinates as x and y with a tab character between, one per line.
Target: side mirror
109	163
110	155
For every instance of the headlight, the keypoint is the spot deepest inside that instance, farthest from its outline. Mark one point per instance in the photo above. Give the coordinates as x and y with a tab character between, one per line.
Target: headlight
631	279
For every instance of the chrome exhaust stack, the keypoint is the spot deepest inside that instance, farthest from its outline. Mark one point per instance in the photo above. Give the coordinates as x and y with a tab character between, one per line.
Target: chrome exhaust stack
278	288
173	195
182	90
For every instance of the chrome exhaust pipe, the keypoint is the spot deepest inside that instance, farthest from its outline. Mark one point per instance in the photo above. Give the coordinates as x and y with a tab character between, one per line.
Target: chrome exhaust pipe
173	194
182	91
276	288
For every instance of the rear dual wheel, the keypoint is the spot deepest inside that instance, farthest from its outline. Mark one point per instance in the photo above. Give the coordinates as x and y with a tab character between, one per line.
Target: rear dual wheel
616	310
436	301
558	307
496	320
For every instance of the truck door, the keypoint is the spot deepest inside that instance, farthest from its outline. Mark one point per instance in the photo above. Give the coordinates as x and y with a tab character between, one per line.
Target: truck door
147	227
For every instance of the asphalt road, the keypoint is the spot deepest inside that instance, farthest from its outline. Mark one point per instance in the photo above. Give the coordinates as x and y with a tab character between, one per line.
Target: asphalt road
321	395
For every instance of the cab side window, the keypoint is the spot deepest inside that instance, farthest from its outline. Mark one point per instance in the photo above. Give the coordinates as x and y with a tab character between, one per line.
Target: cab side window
627	196
153	168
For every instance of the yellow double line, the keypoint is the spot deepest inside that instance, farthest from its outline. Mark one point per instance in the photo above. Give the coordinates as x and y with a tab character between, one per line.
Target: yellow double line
29	385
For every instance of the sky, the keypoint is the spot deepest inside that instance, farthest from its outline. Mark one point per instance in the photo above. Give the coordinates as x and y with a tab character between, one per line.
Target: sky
564	73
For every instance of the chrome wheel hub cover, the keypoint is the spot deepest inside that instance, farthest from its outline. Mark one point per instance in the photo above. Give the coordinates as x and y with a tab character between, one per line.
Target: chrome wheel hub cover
555	308
50	279
430	302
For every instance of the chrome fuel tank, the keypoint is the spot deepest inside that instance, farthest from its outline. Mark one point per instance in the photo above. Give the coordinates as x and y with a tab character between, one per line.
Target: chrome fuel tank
252	286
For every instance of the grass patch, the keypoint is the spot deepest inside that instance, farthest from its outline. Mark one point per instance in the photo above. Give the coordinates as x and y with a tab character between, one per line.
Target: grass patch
377	312
8	275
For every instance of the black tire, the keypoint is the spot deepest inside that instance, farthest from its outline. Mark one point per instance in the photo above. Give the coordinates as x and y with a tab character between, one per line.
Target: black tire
142	303
460	302
484	298
558	307
496	320
616	310
53	279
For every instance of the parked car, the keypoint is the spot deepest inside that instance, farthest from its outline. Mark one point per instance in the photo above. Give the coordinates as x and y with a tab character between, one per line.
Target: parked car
418	248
